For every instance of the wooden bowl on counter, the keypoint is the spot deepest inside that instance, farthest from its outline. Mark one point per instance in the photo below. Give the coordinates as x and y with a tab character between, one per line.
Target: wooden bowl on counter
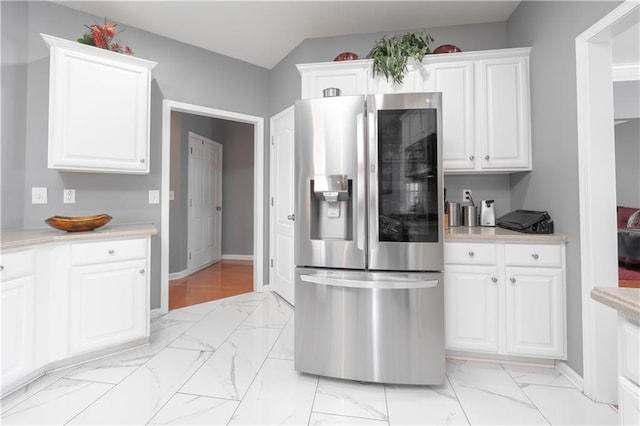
78	223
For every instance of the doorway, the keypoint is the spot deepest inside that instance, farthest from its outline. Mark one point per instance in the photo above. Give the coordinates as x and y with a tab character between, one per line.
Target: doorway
257	124
598	196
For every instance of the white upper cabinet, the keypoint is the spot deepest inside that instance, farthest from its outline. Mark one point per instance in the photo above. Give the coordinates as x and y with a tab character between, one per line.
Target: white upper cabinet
348	76
503	115
98	109
455	81
485	101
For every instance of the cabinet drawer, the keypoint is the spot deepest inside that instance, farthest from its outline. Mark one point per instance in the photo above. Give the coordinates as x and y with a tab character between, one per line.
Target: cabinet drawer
544	255
108	251
470	253
16	264
629	348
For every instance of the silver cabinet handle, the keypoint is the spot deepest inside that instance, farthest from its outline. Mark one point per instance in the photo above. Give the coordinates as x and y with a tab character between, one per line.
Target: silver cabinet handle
513	280
1	267
112	251
400	284
494	280
535	256
141	271
471	254
486	157
142	160
472	157
218	208
291	217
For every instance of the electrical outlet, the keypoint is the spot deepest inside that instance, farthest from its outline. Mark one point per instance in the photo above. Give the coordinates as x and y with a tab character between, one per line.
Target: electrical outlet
154	196
466	196
69	196
38	195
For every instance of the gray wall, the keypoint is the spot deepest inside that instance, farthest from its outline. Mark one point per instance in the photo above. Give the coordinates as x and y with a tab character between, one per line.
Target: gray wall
626	99
184	73
237	184
628	163
550	28
14	112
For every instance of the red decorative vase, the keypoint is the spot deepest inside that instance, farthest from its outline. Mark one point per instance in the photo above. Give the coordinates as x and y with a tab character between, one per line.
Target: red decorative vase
346	56
447	48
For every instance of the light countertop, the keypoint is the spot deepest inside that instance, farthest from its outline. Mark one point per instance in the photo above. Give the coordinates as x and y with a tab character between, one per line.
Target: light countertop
624	300
30	237
497	234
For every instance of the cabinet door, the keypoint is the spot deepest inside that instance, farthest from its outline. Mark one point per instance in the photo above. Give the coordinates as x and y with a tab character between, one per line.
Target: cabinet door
351	79
534	312
18	299
629	402
471	308
455	81
413	81
108	304
502	88
98	114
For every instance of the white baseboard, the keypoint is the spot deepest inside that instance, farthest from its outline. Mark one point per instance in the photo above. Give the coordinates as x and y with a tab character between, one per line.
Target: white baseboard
155	312
237	257
178	275
570	374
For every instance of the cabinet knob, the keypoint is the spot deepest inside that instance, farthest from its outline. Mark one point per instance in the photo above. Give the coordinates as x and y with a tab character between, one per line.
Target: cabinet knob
494	280
141	271
111	251
472	157
1	267
486	157
291	217
535	256
142	160
471	254
513	280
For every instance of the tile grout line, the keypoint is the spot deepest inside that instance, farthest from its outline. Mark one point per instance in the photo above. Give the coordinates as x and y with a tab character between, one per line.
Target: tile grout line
386	403
525	394
313	402
457	398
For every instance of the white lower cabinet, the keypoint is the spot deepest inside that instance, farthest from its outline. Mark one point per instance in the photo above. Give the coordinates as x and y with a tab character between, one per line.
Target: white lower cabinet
18	314
108	304
628	370
471	314
534	312
494	307
63	302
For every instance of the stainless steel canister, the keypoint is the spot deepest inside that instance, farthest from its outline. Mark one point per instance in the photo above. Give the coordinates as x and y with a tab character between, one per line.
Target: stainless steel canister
454	214
331	91
469	215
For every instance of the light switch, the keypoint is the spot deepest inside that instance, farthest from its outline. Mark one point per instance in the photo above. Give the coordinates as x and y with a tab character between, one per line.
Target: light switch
69	196
38	195
154	196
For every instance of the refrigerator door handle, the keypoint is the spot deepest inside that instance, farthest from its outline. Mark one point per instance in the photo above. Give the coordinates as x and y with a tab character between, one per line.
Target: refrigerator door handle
361	185
397	284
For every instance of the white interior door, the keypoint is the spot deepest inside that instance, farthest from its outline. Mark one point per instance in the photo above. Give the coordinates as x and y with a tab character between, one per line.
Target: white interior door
205	202
282	202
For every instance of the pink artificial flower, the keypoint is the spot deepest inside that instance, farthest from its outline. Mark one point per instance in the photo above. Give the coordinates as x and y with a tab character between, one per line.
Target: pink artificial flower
109	30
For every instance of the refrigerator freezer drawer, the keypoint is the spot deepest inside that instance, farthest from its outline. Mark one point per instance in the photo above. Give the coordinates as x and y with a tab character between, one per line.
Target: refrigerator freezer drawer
387	329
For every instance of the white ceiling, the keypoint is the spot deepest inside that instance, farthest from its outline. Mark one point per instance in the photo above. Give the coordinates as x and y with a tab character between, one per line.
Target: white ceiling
264	32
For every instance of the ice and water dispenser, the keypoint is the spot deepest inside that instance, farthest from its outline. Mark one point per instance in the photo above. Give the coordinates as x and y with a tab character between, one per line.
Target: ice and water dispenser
331	207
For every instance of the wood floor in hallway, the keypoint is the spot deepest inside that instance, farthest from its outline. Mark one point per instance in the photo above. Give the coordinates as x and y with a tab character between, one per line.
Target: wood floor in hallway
223	279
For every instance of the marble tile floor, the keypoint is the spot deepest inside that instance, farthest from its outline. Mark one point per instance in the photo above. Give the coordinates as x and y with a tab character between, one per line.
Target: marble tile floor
230	361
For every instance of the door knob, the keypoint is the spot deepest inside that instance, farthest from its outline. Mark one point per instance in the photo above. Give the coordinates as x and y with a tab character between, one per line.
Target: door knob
291	217
218	208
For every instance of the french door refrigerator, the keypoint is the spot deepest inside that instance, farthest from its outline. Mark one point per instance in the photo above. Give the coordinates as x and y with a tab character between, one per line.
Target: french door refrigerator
369	238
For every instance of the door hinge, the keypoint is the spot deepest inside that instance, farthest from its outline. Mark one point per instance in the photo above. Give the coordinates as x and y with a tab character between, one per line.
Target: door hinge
191	150
189	255
272	201
272	263
273	140
190	203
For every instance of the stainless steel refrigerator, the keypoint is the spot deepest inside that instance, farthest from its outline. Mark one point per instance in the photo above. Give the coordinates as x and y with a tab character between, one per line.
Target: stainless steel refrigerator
369	238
